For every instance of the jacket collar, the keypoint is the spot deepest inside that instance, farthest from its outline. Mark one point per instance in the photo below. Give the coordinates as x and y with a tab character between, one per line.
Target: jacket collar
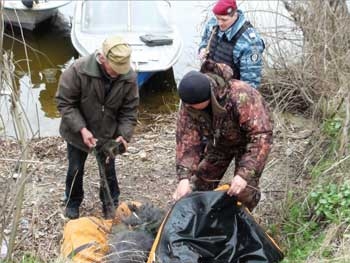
215	105
91	66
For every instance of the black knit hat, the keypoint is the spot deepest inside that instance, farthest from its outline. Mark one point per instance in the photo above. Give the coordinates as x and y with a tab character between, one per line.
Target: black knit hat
194	88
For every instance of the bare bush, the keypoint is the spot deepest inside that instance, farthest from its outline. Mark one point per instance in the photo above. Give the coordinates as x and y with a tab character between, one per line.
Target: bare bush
318	78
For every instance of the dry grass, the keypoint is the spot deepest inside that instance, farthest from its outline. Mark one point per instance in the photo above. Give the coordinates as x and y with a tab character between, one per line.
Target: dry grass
148	164
147	172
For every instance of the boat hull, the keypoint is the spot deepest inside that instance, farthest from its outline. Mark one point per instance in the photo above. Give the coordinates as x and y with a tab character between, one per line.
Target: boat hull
143	77
15	13
27	20
145	60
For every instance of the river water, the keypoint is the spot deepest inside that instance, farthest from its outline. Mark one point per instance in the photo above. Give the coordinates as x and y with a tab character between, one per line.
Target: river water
50	51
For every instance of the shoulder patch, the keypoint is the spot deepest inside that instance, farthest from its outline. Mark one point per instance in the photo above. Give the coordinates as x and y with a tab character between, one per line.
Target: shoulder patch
243	97
252	35
255	57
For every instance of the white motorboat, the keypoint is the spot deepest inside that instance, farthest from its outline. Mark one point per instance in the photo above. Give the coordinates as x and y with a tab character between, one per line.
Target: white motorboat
93	21
28	14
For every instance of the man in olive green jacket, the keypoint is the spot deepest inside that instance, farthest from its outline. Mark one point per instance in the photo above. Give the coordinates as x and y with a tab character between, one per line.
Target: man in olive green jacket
98	100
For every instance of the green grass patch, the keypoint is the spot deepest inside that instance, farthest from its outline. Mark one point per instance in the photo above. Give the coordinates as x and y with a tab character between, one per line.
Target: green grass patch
321	167
25	258
332	127
305	221
303	234
331	202
29	258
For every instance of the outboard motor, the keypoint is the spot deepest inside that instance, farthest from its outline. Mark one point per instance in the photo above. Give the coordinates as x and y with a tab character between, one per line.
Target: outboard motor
29	3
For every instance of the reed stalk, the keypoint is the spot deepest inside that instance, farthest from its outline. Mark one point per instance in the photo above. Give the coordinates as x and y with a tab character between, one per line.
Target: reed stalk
7	78
20	125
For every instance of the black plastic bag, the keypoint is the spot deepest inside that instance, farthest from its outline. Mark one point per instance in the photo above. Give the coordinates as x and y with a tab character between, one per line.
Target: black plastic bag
208	227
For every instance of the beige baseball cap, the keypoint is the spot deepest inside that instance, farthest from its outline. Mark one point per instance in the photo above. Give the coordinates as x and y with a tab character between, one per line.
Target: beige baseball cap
118	52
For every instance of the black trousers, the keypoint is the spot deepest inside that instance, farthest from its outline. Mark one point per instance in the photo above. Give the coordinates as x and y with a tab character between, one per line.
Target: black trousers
74	193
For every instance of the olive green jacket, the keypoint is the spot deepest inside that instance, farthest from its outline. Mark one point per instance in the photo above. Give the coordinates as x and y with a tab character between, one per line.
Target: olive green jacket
81	101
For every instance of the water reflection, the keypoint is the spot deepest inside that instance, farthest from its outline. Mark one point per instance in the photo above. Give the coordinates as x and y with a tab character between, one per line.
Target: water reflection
39	57
47	100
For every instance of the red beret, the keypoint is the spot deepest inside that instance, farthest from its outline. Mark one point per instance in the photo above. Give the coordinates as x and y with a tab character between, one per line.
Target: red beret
224	7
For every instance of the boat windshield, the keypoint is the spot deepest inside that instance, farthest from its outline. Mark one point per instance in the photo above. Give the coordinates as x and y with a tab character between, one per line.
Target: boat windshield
126	16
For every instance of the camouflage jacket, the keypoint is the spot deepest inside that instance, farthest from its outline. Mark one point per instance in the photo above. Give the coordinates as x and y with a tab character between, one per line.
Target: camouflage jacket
239	119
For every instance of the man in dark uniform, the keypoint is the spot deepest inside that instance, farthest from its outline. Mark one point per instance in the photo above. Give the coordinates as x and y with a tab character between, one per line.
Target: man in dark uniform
221	119
229	38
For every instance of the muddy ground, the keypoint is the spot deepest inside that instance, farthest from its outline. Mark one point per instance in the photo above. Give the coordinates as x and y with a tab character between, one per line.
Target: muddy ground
145	172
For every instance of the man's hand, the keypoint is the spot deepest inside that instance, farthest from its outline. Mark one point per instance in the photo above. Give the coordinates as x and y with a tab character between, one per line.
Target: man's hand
203	53
121	139
88	138
183	188
238	184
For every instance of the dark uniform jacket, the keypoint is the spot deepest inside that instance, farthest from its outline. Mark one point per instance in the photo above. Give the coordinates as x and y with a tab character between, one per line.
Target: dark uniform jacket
82	102
238	124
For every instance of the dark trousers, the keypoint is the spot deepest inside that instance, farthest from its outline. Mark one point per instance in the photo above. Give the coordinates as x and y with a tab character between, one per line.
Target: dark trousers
74	181
212	168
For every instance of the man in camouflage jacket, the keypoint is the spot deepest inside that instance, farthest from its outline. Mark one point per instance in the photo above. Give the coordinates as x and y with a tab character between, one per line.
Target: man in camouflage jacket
221	119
